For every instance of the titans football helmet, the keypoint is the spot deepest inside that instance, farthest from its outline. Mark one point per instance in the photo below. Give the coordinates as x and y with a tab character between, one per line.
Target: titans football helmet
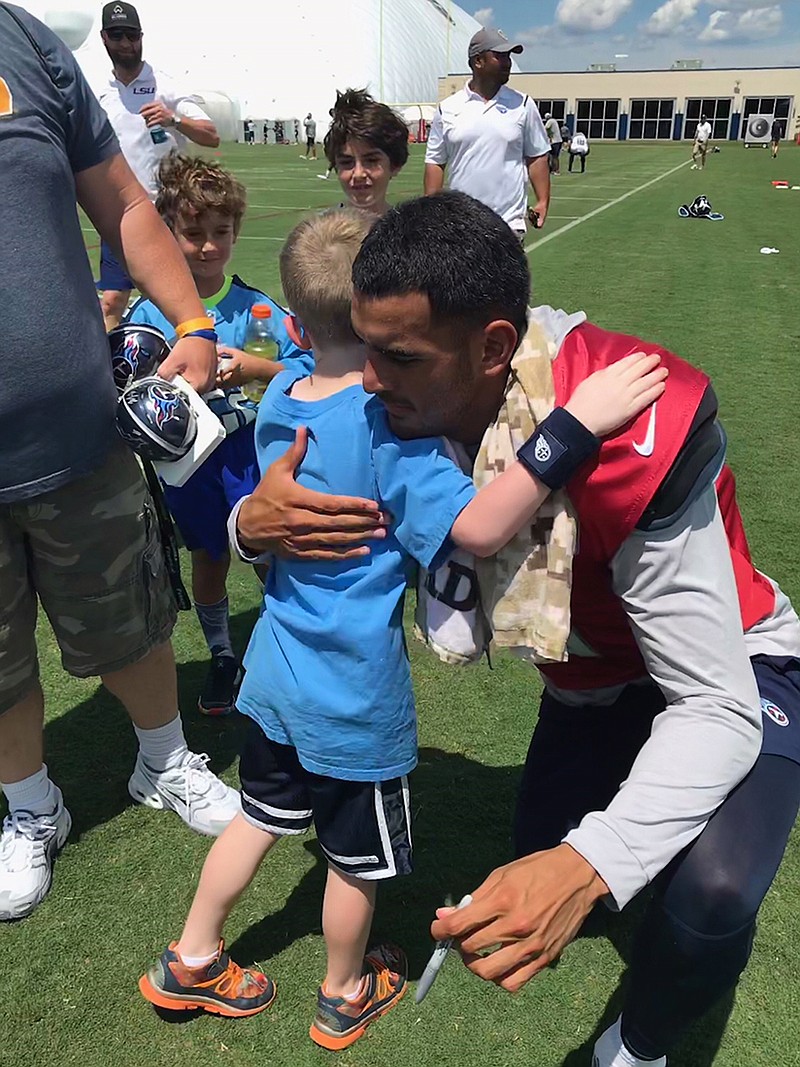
156	420
136	352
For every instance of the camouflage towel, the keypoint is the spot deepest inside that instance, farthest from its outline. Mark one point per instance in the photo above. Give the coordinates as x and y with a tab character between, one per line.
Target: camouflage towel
525	589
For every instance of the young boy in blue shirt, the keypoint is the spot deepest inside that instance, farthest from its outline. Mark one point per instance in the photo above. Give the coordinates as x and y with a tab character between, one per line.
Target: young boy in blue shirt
328	686
204	205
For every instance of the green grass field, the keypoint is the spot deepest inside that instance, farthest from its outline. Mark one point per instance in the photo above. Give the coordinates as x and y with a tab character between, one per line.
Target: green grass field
124	882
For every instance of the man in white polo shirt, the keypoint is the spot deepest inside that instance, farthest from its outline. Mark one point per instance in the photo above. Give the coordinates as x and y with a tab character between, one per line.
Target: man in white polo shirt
489	138
150	117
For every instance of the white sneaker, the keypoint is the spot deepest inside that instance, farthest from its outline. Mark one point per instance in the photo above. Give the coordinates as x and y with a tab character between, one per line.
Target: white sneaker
28	844
610	1051
191	791
694	167
324	177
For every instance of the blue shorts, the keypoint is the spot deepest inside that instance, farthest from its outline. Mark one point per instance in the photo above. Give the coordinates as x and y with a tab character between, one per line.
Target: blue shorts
778	679
579	756
113	275
201	507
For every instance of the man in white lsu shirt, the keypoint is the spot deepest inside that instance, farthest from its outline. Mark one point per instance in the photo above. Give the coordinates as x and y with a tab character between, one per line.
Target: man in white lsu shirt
490	138
150	117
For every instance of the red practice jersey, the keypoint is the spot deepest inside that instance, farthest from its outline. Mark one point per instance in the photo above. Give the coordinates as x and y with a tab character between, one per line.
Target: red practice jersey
610	494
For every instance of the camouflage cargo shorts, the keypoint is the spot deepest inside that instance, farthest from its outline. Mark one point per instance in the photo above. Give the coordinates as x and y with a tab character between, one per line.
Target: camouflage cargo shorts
90	552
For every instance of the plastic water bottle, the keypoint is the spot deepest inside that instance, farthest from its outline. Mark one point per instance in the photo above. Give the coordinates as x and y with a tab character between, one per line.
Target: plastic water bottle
259	342
158	135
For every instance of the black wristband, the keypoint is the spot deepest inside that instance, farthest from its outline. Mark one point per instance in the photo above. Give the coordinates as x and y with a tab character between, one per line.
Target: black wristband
557	448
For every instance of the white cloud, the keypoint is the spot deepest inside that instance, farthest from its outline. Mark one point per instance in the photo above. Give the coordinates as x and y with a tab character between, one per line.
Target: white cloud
671	16
752	24
484	15
586	16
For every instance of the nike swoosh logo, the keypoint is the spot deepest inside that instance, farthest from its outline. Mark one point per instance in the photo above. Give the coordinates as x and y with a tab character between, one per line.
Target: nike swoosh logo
646	447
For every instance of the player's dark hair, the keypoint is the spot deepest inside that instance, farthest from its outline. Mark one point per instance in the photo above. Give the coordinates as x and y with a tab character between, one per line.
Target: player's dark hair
356	114
191	185
455	250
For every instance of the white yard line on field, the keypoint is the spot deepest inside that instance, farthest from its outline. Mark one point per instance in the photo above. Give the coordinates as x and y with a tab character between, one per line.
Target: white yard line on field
603	207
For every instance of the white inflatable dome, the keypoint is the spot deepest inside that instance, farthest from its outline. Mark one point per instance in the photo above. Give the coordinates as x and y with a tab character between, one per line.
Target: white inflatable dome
284	59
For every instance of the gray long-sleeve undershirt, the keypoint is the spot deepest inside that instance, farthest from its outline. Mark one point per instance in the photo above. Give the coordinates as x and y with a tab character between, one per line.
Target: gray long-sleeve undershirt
680	596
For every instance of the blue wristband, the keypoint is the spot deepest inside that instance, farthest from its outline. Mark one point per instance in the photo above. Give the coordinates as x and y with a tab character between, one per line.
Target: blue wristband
207	335
558	447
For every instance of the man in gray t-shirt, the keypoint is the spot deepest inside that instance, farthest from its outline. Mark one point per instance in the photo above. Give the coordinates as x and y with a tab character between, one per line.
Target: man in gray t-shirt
311	137
77	526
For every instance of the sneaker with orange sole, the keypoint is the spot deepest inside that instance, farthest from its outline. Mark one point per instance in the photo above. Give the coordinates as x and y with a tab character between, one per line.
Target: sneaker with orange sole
340	1021
221	987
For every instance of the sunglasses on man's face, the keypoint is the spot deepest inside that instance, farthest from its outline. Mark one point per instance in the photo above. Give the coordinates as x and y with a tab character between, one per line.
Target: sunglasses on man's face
117	35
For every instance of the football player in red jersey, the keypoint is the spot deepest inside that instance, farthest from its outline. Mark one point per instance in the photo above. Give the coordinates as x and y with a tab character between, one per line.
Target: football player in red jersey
667	749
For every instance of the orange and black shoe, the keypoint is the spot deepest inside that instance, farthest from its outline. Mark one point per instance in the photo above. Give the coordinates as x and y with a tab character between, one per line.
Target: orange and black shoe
220	987
340	1021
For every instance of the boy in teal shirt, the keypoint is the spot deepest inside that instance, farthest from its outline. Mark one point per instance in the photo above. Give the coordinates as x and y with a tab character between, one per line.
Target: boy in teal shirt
204	205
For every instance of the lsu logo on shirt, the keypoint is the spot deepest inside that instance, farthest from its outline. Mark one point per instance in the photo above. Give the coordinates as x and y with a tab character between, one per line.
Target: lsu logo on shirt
6	99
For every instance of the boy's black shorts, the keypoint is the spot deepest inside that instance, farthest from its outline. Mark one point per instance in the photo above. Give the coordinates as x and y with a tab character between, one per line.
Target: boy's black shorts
364	828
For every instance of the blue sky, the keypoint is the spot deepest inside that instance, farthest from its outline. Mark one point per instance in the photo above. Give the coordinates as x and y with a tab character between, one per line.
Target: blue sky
571	34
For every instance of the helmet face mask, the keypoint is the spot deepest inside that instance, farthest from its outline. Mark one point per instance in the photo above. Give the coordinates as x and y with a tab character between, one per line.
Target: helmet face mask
136	352
156	420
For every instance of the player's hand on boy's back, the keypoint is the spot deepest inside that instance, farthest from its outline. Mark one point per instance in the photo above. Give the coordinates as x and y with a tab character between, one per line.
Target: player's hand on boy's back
283	517
523	916
195	359
236	368
618	393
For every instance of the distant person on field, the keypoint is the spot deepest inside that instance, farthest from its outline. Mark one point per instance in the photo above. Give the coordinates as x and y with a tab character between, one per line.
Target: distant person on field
328	685
331	167
367	145
553	131
578	147
702	138
151	117
310	126
490	139
249	131
777	134
204	205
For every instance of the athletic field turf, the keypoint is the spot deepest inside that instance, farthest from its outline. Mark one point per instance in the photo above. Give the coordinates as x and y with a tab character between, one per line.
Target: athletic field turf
124	882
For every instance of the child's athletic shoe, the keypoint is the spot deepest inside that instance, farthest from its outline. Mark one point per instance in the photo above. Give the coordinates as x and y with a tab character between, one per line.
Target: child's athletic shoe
340	1021
220	987
219	689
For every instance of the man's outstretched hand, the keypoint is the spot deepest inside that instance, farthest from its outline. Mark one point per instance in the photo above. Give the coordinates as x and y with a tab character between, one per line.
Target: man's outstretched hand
526	913
285	518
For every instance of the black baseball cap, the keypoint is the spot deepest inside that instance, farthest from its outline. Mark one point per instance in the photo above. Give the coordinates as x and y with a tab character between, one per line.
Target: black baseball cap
118	15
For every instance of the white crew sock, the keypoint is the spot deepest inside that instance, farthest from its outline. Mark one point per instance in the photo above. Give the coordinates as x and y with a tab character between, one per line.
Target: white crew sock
35	794
611	1051
198	961
163	748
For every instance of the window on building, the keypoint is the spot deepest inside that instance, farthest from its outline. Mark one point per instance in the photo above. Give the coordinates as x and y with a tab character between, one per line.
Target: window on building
651	120
780	107
717	111
598	119
556	108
